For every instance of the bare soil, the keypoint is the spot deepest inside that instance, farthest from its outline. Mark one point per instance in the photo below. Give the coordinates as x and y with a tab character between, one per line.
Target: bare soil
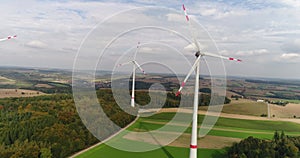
288	111
9	93
43	86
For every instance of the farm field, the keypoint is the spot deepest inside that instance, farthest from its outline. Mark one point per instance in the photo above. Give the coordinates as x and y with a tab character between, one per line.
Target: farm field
292	101
225	132
253	108
243	107
4	80
291	110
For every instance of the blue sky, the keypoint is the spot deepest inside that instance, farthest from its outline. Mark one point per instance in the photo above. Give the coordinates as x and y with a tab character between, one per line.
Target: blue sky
265	34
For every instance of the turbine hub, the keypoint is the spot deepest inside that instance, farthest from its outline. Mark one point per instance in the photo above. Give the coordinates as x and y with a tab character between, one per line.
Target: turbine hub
197	54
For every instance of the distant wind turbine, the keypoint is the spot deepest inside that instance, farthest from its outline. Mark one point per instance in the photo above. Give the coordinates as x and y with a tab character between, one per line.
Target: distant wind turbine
268	107
135	64
8	38
196	67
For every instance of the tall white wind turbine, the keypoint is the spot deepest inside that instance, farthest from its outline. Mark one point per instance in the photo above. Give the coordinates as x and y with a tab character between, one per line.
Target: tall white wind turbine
135	64
8	38
196	67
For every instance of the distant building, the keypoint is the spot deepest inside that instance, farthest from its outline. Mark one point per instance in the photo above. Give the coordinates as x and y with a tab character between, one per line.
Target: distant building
260	101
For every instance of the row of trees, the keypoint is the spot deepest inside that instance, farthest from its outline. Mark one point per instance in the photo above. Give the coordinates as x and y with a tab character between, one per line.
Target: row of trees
143	98
281	146
55	87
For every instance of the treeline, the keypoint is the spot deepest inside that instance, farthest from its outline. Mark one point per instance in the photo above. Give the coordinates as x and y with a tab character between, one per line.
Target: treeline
55	87
172	101
274	82
283	95
49	126
17	75
279	102
29	80
139	85
281	146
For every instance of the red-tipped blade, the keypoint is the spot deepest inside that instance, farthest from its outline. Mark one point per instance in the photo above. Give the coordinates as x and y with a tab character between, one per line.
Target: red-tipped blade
124	63
177	93
186	15
239	60
139	66
8	38
220	56
189	74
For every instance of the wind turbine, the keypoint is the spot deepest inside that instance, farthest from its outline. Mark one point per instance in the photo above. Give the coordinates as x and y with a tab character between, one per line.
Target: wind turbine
8	38
196	67
135	64
268	106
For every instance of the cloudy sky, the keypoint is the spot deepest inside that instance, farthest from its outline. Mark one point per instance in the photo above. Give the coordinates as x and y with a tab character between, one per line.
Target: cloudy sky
265	34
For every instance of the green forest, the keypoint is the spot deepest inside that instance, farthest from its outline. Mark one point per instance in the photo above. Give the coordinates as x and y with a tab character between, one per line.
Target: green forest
35	127
281	146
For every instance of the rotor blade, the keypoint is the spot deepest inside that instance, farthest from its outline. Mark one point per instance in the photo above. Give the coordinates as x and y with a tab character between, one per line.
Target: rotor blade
188	75
8	38
190	28
139	67
222	57
136	51
124	63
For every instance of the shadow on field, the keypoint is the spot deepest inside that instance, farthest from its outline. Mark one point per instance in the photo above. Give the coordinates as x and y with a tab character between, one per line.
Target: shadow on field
168	154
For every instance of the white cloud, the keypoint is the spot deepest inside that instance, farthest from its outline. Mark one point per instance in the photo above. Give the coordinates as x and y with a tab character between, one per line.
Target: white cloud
291	3
154	49
289	56
252	52
291	46
209	12
215	10
36	44
287	59
175	17
146	50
